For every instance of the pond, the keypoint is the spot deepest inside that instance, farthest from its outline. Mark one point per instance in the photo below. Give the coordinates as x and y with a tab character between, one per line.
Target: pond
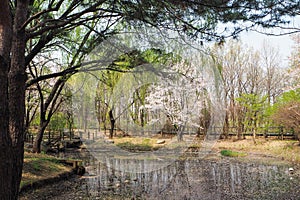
189	178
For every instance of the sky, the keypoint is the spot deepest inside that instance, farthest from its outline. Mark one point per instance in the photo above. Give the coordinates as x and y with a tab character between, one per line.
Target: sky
283	43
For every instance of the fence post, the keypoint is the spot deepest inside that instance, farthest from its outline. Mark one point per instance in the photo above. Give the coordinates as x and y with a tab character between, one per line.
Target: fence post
281	132
266	130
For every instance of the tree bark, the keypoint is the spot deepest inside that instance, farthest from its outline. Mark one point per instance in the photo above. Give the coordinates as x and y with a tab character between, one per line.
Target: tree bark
180	133
7	162
47	108
226	125
16	90
12	101
112	124
39	137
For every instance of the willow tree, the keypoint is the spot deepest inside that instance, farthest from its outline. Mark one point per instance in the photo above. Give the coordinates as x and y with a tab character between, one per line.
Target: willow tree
31	27
110	109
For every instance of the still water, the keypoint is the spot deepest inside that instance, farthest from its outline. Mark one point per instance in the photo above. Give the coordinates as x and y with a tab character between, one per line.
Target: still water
196	179
189	178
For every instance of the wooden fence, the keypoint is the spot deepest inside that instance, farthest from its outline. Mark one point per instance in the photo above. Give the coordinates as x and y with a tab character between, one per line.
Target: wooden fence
277	132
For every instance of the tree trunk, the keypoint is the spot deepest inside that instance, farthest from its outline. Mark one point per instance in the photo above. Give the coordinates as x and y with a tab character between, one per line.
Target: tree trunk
240	128
226	126
112	124
6	164
17	83
12	103
180	133
39	137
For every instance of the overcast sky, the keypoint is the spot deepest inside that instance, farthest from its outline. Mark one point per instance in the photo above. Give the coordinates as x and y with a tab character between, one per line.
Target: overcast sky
283	43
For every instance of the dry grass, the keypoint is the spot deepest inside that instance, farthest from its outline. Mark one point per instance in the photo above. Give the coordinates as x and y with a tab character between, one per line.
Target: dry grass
288	150
139	140
285	150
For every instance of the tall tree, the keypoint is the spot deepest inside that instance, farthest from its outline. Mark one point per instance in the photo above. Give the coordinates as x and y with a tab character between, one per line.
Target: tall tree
41	25
179	95
12	103
286	111
249	76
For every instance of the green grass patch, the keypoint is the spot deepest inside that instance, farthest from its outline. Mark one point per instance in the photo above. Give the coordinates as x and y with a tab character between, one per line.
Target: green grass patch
230	153
36	165
24	183
39	166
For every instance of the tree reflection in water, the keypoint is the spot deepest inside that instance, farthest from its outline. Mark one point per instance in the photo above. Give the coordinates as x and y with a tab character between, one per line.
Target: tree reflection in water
191	179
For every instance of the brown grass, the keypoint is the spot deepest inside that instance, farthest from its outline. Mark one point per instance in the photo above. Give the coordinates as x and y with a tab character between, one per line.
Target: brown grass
288	150
139	140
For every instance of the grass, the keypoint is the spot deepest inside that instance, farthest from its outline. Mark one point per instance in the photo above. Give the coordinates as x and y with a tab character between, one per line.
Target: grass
137	144
41	167
135	147
271	150
232	153
288	150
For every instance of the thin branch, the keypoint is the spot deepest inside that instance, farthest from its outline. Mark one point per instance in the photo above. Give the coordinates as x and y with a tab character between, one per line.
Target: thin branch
37	15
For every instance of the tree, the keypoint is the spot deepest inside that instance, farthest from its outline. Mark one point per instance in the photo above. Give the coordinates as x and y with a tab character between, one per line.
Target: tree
108	103
48	106
236	61
254	108
29	27
294	62
249	77
286	112
12	103
179	96
275	77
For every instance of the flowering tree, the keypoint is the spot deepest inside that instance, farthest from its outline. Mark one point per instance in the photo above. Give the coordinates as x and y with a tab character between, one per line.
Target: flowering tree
179	96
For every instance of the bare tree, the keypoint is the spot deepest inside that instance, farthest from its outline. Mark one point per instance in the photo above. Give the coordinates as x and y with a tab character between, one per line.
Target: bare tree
288	115
248	77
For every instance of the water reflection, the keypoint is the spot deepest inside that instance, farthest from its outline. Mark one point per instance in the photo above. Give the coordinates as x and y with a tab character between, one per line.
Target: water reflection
190	179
